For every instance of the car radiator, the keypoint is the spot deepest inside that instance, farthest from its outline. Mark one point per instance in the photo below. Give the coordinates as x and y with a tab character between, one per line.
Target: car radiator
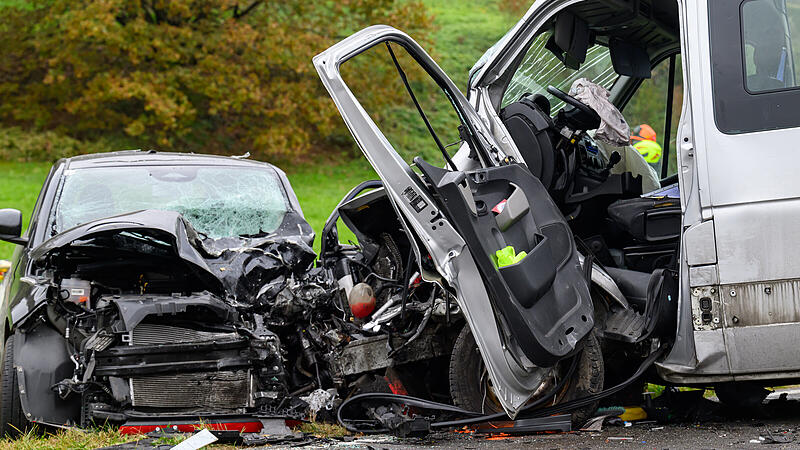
153	334
218	390
195	391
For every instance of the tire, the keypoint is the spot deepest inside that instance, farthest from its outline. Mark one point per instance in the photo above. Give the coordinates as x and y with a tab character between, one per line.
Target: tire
12	418
741	395
468	389
620	361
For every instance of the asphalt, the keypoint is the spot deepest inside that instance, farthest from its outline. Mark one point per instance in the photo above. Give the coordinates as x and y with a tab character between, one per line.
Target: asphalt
775	424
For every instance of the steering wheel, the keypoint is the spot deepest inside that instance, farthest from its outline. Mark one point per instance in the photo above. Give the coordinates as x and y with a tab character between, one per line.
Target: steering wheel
566	98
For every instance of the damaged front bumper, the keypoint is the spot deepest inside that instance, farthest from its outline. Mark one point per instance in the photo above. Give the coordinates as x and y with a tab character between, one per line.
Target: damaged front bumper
174	367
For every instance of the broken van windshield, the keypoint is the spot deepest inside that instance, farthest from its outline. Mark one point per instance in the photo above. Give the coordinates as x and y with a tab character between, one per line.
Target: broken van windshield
541	68
217	201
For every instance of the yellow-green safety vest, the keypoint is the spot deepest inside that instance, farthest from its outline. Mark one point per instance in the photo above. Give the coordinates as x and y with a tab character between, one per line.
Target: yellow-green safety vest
650	150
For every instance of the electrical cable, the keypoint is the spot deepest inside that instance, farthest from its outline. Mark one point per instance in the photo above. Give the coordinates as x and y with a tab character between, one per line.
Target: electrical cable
427	404
478	417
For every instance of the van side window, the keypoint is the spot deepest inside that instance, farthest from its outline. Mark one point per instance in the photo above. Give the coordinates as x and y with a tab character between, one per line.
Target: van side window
771	42
755	50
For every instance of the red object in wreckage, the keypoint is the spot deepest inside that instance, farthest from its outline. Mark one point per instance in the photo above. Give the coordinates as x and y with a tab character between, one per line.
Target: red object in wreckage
361	300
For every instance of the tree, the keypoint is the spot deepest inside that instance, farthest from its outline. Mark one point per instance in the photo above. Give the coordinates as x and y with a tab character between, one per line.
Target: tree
217	75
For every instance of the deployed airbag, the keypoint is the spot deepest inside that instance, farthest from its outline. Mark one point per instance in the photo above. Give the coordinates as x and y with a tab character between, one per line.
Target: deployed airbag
613	128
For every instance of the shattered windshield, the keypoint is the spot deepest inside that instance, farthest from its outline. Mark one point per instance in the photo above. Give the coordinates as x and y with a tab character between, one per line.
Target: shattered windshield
541	68
217	201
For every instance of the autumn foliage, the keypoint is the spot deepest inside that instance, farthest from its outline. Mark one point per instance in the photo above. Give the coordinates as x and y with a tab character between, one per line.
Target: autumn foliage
215	75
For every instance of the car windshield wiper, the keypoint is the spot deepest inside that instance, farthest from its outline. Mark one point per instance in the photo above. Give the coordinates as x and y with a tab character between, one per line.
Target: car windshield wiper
419	109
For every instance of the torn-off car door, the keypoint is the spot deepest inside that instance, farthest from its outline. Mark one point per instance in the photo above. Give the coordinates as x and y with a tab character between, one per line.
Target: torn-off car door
510	334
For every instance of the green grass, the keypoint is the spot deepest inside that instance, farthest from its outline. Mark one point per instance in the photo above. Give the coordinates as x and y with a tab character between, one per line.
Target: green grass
19	186
466	31
320	188
72	439
21	4
77	439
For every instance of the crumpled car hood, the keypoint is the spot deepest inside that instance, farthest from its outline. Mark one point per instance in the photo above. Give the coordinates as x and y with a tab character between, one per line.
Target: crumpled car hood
236	268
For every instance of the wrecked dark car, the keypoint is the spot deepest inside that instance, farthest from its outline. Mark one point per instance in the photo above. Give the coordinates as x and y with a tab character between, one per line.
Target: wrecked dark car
141	287
156	289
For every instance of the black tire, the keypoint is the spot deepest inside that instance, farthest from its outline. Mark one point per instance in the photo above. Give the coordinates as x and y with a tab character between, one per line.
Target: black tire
468	388
620	360
12	418
741	394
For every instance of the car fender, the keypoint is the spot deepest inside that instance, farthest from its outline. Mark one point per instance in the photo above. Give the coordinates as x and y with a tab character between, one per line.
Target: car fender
41	360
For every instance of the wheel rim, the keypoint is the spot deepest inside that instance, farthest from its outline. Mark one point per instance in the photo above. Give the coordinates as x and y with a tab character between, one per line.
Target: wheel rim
550	380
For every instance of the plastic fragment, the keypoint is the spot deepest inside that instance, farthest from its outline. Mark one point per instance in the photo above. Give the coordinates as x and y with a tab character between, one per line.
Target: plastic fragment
196	441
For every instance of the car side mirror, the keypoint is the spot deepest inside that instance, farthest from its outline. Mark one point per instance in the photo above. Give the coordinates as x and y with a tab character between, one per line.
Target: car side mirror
11	226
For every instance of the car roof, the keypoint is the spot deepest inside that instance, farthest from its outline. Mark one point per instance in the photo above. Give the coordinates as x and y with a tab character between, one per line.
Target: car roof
152	157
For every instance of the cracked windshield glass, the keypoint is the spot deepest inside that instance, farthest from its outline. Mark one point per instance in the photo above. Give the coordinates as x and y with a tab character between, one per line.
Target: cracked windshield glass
541	68
217	201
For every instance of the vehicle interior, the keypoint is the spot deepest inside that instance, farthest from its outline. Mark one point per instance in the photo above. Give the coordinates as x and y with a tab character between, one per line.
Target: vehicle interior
627	214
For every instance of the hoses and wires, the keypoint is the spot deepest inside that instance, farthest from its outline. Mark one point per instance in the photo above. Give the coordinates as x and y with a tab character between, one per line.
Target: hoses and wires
473	417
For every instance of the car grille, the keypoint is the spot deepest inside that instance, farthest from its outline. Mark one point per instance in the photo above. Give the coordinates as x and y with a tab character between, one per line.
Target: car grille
153	334
193	391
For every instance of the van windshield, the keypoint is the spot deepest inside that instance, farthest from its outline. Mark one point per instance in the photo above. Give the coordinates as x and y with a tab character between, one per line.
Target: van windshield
541	68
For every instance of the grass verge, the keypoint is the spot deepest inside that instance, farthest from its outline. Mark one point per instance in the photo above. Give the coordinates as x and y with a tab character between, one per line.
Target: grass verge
71	438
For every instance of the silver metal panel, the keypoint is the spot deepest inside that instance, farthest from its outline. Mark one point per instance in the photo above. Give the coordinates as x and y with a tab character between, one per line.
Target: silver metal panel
764	348
703	276
758	242
514	379
752	167
711	365
748	179
761	303
747	183
698	244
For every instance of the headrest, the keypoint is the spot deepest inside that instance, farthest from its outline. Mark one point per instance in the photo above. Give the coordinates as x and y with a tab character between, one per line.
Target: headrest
629	60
